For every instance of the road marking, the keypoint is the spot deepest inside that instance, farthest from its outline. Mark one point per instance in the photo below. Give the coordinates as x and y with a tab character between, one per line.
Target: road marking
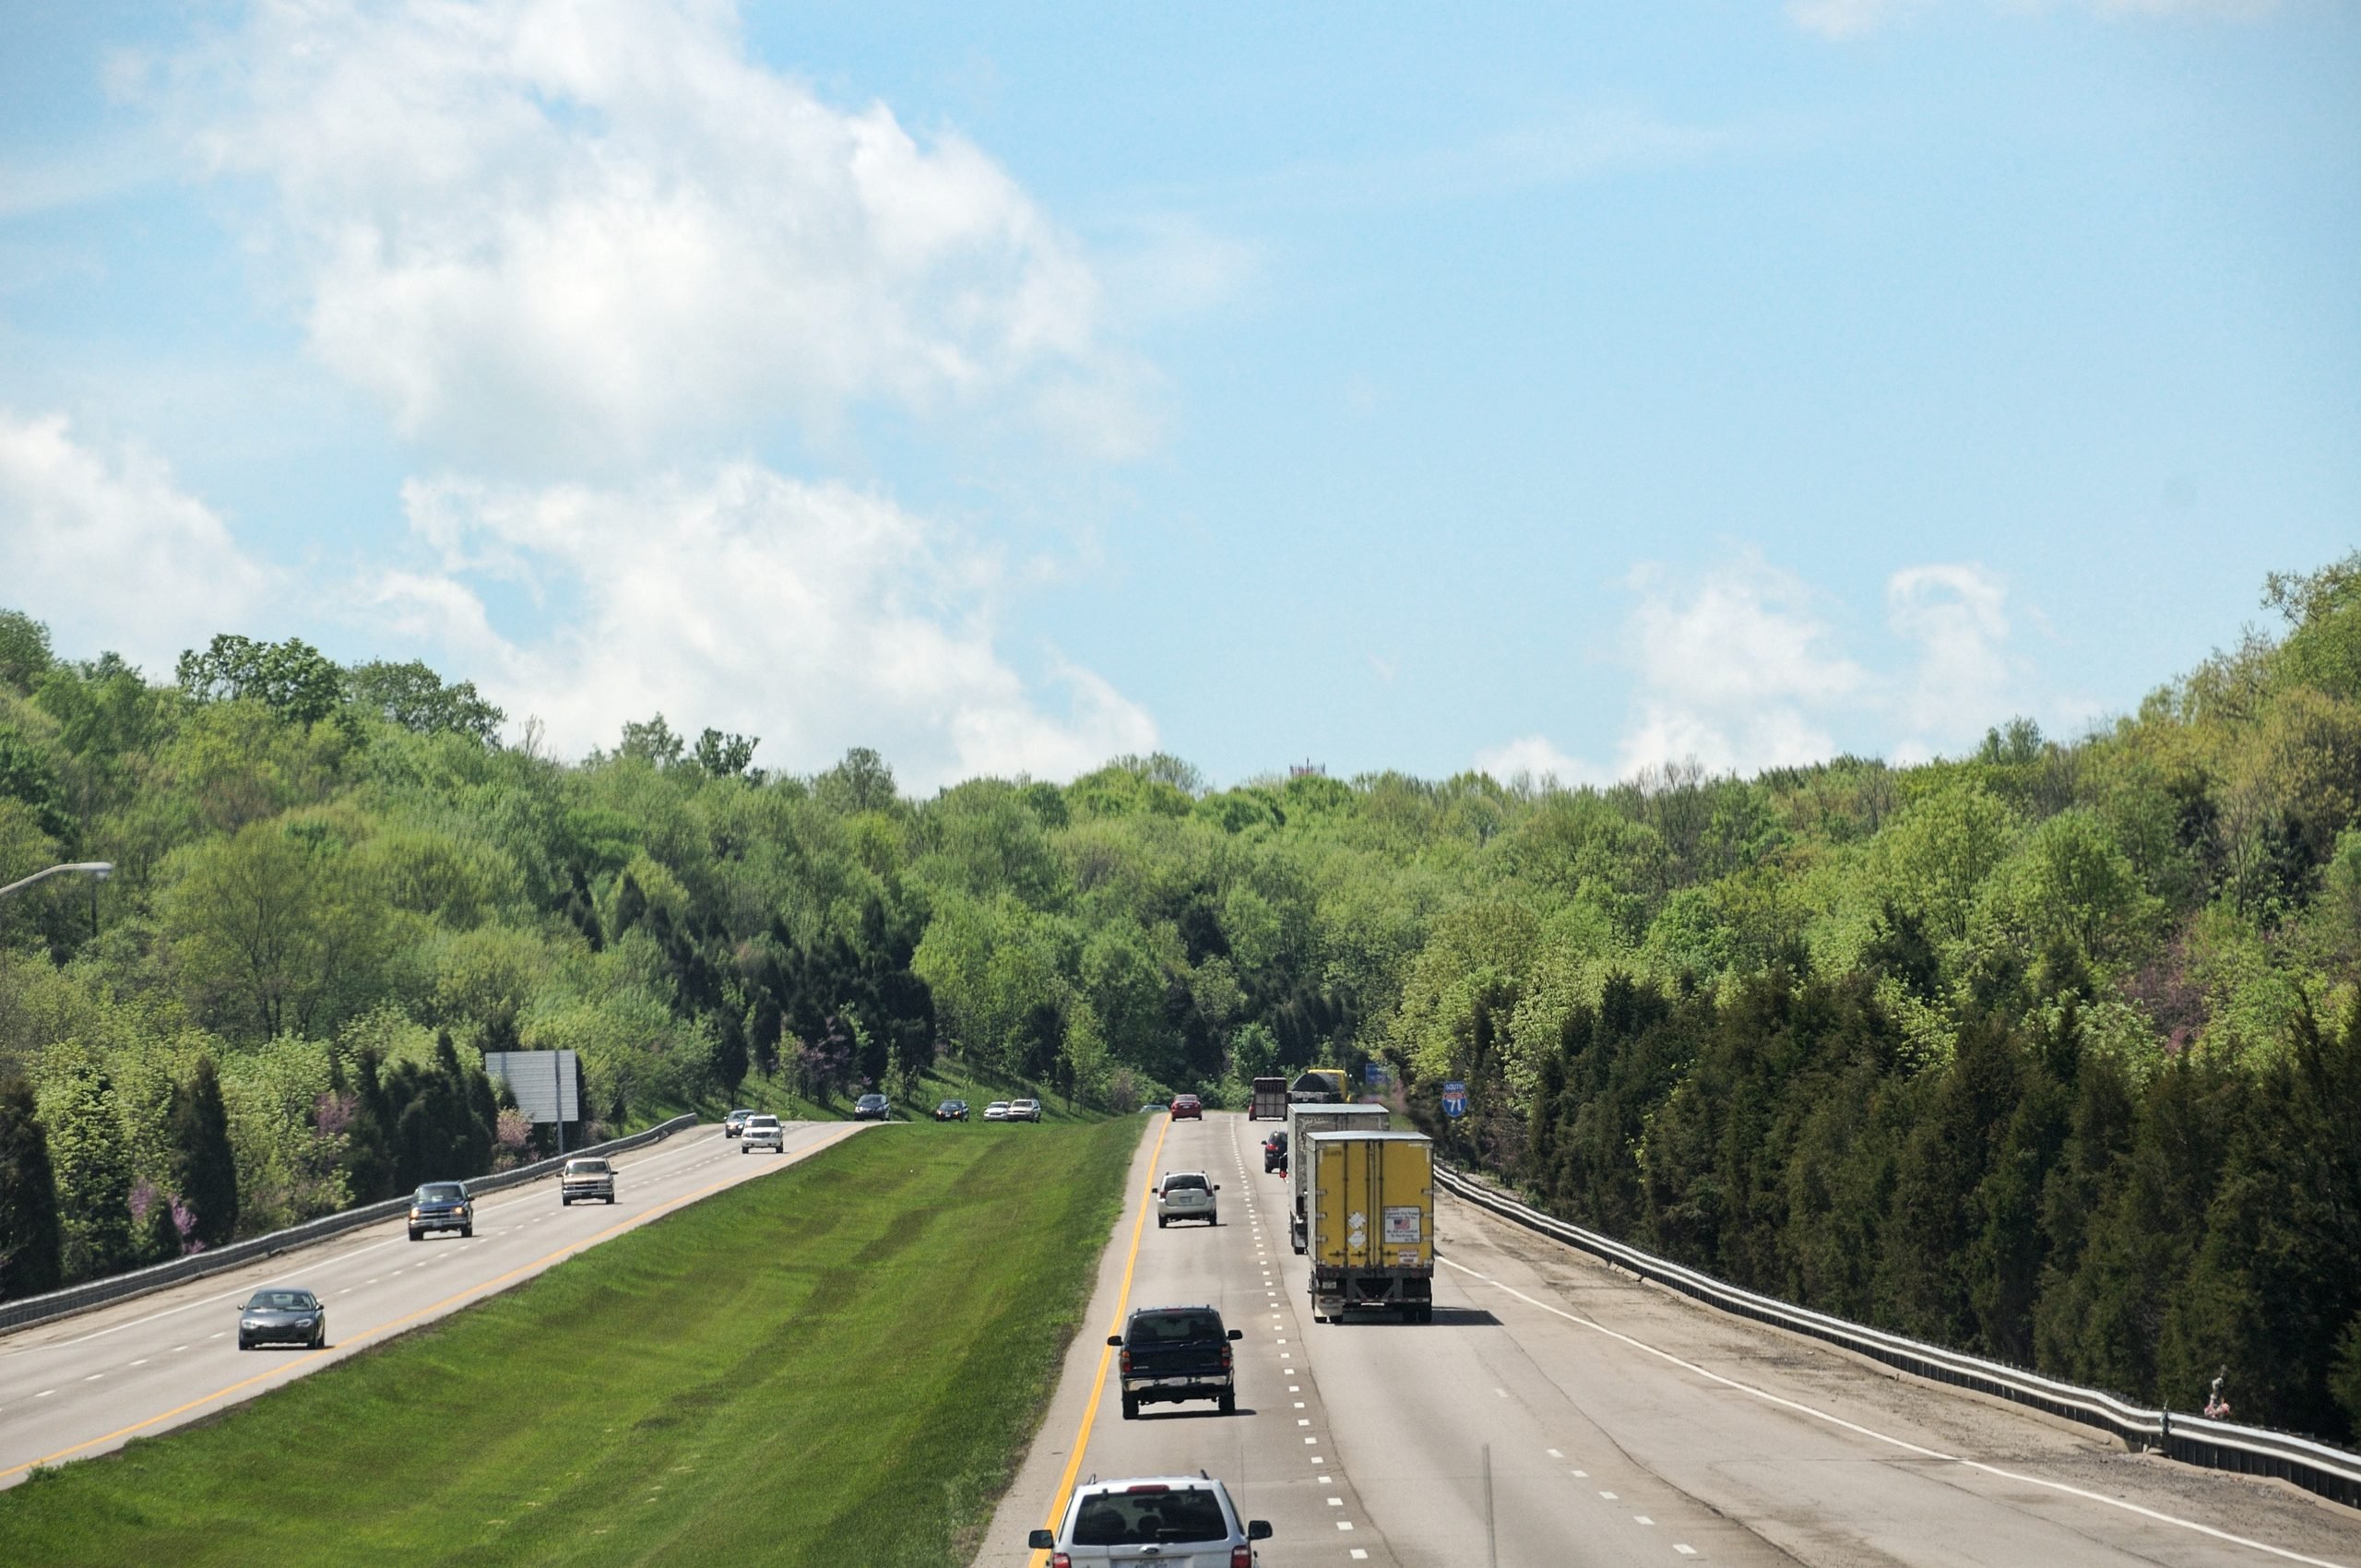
1609	1495
1553	1453
1642	1519
1344	1523
1335	1503
44	1394
1099	1385
460	1297
1685	1550
141	1361
1903	1443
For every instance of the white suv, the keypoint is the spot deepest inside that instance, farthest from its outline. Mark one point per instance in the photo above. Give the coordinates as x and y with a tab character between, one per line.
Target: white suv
762	1132
1188	1521
1185	1195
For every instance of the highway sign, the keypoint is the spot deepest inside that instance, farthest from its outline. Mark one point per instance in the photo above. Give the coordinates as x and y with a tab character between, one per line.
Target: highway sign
1455	1099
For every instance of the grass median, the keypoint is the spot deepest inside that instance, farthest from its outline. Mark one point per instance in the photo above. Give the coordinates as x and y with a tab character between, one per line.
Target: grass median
838	1364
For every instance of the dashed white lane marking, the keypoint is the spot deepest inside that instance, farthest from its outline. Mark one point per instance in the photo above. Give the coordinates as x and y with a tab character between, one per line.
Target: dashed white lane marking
178	1349
1579	1475
1553	1453
1335	1503
1344	1523
94	1377
1685	1550
1903	1443
1609	1495
1502	1392
141	1361
1358	1555
44	1394
1642	1519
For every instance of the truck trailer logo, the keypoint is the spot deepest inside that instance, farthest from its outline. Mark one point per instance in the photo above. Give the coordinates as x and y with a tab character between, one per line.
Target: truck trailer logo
1402	1227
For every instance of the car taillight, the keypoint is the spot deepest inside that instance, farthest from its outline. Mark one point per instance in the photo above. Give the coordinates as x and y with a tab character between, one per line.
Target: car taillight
1127	1362
1225	1358
1242	1557
1060	1560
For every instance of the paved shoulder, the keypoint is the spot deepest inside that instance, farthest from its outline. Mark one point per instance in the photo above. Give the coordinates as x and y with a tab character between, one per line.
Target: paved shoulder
87	1384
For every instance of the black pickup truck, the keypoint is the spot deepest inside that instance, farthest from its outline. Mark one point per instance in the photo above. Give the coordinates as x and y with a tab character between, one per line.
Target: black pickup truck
1176	1353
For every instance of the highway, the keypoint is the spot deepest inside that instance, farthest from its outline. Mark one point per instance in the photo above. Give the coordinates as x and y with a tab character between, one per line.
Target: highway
1625	1424
85	1384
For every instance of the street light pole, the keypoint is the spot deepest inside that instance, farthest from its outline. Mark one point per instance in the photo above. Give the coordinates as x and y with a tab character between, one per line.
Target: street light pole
97	869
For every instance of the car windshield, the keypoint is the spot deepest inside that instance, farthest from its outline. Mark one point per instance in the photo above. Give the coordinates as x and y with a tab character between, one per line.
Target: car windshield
589	1168
1278	1140
765	1122
441	1193
873	1099
1149	1518
998	1105
1184	1183
741	1115
1176	1327
283	1302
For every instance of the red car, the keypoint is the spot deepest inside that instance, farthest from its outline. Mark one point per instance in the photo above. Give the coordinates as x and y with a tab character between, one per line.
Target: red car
1188	1104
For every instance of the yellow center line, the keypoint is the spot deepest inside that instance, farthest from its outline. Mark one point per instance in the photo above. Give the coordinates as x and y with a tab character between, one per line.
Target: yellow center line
488	1288
1105	1353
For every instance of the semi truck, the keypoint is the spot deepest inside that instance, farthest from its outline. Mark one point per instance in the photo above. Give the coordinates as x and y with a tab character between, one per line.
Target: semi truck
1303	1120
1372	1209
1319	1085
1269	1103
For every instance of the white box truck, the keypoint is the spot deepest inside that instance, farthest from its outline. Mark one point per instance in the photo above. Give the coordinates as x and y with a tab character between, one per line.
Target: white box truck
1303	1120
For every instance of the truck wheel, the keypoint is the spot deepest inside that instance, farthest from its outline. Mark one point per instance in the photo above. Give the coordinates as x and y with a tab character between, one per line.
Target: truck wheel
1159	1222
416	1236
1229	1402
1130	1408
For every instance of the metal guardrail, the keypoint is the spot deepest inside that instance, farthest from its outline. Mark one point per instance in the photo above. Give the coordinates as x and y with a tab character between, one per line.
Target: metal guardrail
2222	1445
54	1304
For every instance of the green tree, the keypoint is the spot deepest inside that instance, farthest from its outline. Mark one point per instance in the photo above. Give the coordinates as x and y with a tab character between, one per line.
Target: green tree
29	1239
93	1166
416	698
204	1170
293	679
24	655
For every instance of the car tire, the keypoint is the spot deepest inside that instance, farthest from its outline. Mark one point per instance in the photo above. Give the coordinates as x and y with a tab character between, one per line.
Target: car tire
1159	1222
465	1231
1229	1402
244	1343
565	1202
418	1235
1130	1408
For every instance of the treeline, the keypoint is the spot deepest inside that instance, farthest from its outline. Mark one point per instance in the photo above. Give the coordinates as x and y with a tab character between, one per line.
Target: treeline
2025	1049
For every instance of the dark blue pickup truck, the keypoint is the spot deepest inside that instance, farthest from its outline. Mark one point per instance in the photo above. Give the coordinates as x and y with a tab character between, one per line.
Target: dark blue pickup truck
1176	1353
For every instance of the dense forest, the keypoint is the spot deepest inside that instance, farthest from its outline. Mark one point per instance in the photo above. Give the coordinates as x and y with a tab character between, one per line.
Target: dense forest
2052	1051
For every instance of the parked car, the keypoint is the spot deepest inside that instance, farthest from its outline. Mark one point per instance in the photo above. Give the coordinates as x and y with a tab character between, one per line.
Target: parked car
1185	1195
762	1132
1174	1521
583	1178
441	1205
281	1316
873	1107
996	1111
1175	1353
734	1123
1275	1153
1188	1104
1025	1110
951	1111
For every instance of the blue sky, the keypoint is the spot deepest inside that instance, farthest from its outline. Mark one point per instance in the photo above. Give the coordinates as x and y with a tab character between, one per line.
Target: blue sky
1500	387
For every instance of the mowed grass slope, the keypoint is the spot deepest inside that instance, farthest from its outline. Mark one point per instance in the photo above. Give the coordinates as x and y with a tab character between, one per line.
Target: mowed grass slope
839	1365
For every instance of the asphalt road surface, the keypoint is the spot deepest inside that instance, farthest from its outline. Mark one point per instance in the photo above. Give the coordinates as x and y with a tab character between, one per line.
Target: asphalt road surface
1624	1424
89	1384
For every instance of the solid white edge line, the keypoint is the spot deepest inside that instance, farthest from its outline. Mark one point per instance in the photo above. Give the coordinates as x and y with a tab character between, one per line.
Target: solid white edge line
1766	1396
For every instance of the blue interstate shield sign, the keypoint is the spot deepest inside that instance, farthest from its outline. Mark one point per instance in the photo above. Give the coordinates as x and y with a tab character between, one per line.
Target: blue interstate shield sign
1455	1099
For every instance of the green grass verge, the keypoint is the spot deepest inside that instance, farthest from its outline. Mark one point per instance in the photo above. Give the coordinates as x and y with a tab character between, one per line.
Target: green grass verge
839	1365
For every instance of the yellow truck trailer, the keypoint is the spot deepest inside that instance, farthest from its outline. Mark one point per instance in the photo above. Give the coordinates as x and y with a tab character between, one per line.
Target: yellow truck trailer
1303	1121
1372	1221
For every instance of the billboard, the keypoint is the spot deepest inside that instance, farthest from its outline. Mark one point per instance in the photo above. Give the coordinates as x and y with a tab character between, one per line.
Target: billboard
546	1083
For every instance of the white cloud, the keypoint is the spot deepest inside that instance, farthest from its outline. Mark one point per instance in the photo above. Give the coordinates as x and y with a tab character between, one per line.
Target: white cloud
1743	671
1533	759
566	230
111	552
1738	674
1842	19
814	616
1957	616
